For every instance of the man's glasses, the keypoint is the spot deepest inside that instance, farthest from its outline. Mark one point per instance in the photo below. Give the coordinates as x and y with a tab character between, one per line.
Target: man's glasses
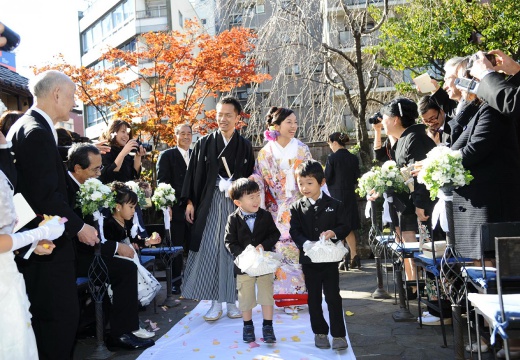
97	169
432	118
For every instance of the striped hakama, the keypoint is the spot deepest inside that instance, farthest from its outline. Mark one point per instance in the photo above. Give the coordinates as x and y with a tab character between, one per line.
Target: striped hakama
209	271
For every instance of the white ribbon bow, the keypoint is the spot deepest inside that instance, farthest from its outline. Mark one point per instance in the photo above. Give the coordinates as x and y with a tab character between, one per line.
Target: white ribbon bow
439	211
368	207
224	185
289	182
99	218
135	225
386	209
166	215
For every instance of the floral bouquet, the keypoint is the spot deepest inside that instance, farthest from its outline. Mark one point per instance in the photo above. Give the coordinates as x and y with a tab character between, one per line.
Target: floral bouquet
92	196
390	177
163	197
442	168
367	182
141	197
141	201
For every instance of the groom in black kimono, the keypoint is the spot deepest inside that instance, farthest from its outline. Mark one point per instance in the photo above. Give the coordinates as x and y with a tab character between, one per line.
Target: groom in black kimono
216	160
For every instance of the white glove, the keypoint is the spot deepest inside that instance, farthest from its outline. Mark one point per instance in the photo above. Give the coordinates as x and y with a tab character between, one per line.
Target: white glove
51	230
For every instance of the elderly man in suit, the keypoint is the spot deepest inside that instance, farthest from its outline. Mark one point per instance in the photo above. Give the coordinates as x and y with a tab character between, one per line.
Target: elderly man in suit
84	162
42	180
171	169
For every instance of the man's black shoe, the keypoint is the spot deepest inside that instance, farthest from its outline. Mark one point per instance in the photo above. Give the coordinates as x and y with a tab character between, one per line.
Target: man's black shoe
129	342
176	290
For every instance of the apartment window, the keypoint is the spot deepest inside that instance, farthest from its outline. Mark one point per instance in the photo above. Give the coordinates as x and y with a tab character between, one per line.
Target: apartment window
294	101
260	6
318	68
128	11
203	21
235	20
181	20
242	95
292	70
317	99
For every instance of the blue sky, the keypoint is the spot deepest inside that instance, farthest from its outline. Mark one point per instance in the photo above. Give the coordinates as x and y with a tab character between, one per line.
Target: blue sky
46	28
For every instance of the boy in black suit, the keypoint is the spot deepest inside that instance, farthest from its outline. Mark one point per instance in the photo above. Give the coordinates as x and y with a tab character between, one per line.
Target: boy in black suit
251	225
317	214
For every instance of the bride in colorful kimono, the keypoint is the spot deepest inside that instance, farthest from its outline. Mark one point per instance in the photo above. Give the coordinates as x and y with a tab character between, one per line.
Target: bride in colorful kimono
274	171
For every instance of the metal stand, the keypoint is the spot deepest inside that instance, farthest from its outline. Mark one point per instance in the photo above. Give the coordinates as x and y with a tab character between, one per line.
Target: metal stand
97	283
377	249
167	257
403	314
453	283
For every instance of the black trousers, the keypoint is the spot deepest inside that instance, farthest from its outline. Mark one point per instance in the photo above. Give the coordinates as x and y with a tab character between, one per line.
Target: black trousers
180	236
324	277
123	313
51	288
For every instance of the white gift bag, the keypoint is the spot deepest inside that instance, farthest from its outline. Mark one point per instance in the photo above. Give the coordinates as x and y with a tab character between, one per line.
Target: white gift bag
257	263
147	284
324	251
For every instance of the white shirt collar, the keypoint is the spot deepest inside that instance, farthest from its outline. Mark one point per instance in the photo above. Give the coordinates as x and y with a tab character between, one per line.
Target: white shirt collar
73	178
314	201
183	152
49	120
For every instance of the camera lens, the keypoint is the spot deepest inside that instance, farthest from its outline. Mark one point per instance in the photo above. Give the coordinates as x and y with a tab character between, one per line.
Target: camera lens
374	119
13	39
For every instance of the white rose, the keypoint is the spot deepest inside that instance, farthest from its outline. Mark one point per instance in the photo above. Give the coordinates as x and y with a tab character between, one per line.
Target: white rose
96	195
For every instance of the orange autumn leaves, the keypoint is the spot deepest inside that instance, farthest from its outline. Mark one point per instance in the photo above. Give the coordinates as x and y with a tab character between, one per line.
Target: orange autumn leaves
171	74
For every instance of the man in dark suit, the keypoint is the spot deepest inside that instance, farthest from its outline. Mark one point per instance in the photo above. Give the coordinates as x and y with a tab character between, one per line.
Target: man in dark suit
84	162
50	280
436	119
171	169
500	93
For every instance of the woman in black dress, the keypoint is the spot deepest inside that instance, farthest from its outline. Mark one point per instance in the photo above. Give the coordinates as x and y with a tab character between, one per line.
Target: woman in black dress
120	163
341	174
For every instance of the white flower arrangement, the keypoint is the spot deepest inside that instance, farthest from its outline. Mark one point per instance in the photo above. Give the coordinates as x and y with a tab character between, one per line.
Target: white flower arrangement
381	179
141	197
441	168
94	195
163	196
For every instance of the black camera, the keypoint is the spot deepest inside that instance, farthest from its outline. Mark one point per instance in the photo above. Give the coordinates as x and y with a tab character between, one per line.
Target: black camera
13	39
146	147
374	119
492	59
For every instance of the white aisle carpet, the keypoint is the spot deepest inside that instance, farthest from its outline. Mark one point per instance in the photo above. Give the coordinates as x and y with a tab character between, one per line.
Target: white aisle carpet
195	338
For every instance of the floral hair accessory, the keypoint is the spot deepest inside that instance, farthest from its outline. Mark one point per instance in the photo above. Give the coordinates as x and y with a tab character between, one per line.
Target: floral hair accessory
271	134
128	130
113	135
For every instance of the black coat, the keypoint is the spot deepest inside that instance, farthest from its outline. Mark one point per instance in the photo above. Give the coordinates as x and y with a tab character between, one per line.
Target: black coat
42	180
501	94
341	174
489	148
412	146
461	120
308	223
171	169
238	235
201	177
127	171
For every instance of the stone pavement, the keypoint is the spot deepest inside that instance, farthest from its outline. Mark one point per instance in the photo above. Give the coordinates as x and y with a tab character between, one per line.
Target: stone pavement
372	331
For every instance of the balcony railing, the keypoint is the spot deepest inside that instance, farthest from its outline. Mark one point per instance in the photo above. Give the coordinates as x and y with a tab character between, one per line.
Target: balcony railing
152	13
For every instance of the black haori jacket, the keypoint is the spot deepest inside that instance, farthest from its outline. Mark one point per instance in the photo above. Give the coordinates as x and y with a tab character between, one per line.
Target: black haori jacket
203	170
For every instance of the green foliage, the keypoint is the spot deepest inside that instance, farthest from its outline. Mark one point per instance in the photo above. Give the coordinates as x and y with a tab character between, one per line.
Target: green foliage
426	33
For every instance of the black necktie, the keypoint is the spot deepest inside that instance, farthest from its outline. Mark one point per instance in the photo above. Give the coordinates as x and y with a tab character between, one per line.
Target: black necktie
249	216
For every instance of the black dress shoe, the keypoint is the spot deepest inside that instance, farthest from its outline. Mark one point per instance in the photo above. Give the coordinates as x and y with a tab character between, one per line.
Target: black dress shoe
176	290
128	342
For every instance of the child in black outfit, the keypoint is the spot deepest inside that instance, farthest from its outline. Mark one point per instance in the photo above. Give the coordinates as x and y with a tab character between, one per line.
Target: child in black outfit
315	215
251	225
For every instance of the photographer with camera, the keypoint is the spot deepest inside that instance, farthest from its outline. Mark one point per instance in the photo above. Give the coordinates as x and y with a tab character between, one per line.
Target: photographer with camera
502	94
123	162
384	151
